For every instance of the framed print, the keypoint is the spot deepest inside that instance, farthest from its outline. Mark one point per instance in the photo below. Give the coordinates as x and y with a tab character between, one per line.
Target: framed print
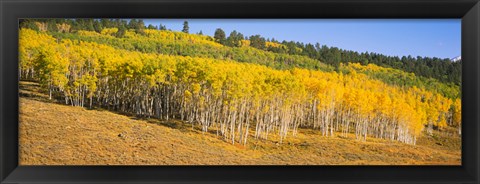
239	91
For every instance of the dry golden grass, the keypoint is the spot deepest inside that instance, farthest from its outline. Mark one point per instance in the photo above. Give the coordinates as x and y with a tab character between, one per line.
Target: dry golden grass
55	134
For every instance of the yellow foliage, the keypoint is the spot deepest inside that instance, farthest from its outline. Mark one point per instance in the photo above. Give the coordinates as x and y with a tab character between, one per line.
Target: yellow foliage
70	65
275	45
245	43
109	31
87	33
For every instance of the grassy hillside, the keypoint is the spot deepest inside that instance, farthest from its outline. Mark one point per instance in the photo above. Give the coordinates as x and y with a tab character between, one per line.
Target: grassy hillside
99	137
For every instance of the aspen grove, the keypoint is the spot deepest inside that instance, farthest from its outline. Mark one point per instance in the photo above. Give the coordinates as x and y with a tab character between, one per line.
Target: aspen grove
234	100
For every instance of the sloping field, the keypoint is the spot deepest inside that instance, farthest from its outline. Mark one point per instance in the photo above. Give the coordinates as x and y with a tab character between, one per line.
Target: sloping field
55	134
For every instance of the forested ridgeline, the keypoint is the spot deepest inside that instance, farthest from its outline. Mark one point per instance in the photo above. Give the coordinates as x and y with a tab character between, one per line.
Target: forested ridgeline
231	98
180	43
287	53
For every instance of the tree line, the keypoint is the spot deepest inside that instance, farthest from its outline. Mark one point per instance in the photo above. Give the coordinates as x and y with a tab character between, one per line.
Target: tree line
219	96
441	69
179	43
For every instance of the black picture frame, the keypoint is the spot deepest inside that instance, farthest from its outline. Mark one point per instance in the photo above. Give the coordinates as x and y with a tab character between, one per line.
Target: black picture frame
12	10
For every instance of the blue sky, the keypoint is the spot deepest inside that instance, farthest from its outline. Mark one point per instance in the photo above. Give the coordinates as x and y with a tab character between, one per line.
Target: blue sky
395	37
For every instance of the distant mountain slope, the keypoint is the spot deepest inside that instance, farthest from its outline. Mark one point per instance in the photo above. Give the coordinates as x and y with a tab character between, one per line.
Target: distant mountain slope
455	59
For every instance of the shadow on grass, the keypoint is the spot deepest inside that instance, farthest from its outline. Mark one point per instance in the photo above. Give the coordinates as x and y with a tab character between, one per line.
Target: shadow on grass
171	123
33	91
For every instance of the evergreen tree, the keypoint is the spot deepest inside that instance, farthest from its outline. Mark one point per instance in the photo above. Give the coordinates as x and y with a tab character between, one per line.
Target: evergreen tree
121	31
52	25
150	26
29	24
219	36
98	26
89	25
185	27
132	24
257	41
106	23
140	27
234	40
140	24
163	27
